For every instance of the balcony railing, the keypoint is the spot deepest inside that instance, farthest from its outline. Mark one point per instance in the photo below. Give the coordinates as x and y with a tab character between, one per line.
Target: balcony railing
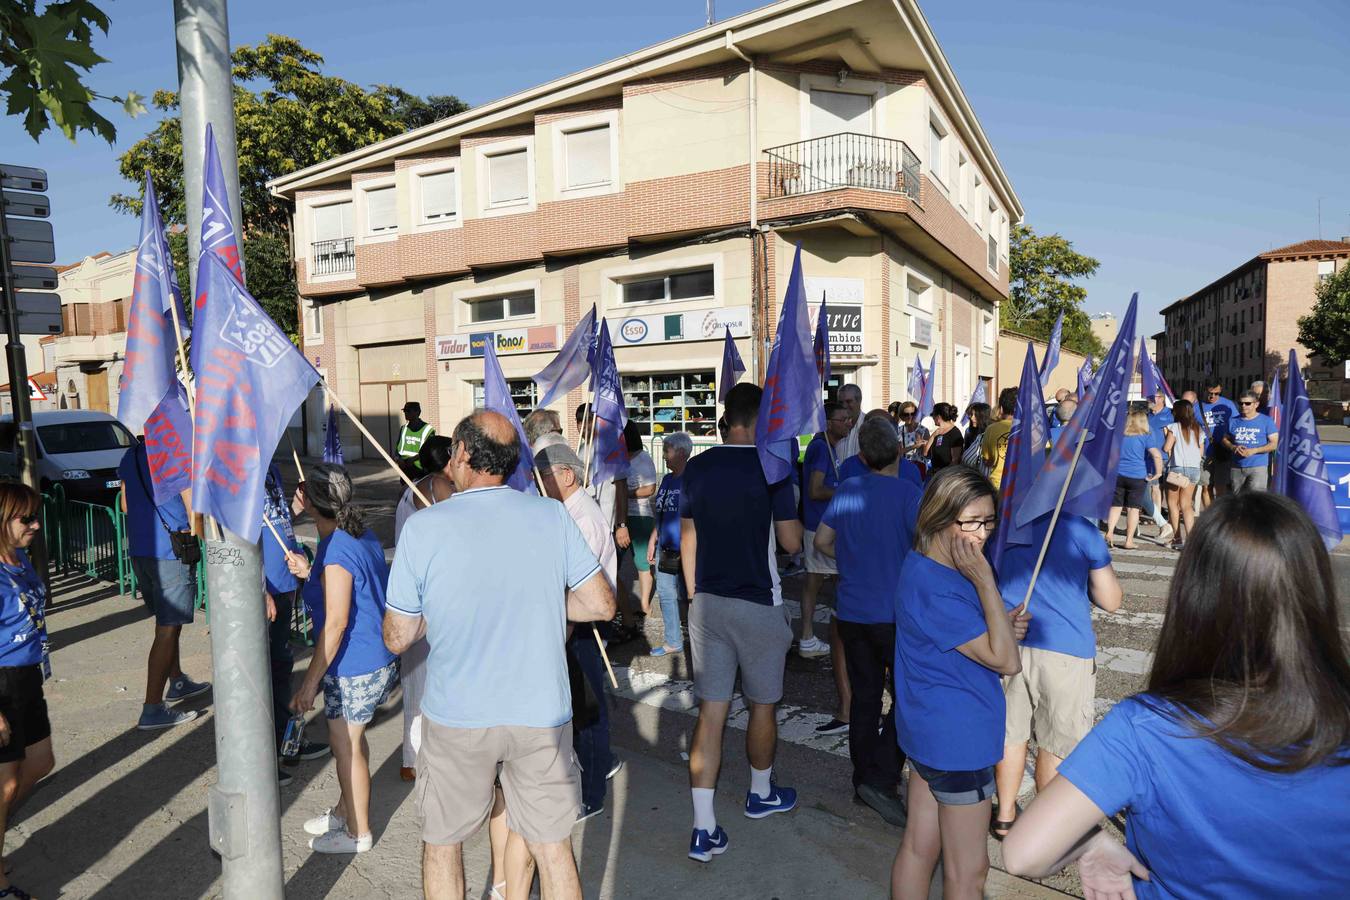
843	161
333	257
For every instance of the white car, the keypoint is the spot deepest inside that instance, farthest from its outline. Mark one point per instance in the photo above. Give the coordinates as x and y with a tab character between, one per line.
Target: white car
78	448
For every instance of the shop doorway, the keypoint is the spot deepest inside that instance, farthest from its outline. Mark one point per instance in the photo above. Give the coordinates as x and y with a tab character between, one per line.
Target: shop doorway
391	375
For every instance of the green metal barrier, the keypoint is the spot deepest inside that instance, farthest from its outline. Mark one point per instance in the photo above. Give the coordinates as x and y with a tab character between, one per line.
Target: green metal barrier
95	543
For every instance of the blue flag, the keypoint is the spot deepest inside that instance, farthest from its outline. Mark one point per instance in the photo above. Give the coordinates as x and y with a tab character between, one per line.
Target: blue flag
611	414
821	346
168	445
1052	351
1151	376
1101	416
1084	378
332	438
1300	470
1025	456
219	234
572	364
250	381
980	395
926	402
732	368
915	385
791	404
1276	404
497	397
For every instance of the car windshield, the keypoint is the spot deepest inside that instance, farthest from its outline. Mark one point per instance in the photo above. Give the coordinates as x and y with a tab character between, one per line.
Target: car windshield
82	437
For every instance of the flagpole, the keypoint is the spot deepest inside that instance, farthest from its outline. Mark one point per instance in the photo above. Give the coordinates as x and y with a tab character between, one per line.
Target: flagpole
332	395
272	528
1054	518
299	472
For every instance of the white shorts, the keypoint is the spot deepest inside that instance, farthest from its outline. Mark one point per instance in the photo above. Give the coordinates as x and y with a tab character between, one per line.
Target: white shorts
817	563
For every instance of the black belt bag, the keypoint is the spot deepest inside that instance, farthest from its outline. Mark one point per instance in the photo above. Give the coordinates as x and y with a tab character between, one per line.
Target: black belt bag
185	547
668	562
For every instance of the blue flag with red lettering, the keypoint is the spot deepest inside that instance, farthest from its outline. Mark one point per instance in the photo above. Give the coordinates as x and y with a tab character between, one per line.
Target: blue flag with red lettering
1052	351
1101	414
1025	456
168	445
821	344
219	235
250	381
572	364
497	397
792	403
1300	469
1151	377
611	414
732	367
332	439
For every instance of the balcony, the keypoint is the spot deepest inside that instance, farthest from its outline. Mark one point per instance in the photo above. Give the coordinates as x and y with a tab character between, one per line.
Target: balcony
843	161
337	257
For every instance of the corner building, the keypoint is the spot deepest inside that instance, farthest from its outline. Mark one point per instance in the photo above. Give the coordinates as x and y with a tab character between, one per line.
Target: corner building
669	188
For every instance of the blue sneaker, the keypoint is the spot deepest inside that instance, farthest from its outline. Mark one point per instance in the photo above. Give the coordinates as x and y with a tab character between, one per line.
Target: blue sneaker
184	687
160	716
783	799
703	846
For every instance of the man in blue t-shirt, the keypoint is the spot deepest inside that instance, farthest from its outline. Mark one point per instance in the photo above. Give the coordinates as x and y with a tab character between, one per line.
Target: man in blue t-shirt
1217	410
869	528
730	518
855	465
1251	437
167	585
820	475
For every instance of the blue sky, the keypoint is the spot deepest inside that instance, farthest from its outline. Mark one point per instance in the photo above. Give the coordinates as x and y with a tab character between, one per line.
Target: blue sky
1172	141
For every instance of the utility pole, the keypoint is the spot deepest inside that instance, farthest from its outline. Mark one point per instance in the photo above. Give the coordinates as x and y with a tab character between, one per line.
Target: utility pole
244	809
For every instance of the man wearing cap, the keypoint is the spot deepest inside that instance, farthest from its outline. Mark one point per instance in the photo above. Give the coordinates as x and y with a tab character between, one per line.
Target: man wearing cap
410	439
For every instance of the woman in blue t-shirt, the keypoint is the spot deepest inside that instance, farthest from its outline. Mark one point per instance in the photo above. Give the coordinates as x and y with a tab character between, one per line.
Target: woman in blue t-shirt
1234	765
663	553
25	731
953	638
1132	478
351	665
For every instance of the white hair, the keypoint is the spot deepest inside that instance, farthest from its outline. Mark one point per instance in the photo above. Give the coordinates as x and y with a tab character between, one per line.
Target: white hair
679	441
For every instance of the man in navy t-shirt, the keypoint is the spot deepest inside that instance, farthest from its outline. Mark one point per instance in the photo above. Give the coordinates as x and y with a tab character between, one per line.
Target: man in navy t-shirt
1252	437
869	528
730	519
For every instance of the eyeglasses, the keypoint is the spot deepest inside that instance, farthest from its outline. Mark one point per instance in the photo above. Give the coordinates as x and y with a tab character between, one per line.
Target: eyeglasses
906	415
973	525
27	520
1213	393
1246	403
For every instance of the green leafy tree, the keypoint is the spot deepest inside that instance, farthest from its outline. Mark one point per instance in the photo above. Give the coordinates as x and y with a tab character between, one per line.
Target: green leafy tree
45	55
1041	286
271	276
1326	330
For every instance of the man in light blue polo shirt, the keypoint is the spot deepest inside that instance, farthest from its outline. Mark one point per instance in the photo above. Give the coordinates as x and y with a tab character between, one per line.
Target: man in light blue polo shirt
497	687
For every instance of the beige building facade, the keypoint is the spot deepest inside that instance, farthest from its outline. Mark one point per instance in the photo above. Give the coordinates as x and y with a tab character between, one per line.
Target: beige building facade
669	189
87	356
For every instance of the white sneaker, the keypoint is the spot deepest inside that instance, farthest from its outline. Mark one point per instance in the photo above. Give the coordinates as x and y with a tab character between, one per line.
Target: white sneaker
1164	533
339	841
813	646
324	823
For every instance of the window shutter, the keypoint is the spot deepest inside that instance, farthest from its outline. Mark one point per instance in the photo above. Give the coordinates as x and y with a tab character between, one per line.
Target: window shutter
381	210
508	177
587	157
438	196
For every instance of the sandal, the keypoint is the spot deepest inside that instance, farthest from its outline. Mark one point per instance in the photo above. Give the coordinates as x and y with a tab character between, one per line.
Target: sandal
16	892
999	829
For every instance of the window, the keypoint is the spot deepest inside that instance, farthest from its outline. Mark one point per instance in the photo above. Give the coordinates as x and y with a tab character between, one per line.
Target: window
119	315
936	136
313	322
672	401
990	222
508	178
381	211
84	437
1325	269
695	284
987	330
439	195
920	293
524	394
975	199
962	194
333	222
840	112
80	318
587	154
497	309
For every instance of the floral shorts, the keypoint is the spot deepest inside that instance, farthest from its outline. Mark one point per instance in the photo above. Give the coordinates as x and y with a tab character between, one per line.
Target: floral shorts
355	697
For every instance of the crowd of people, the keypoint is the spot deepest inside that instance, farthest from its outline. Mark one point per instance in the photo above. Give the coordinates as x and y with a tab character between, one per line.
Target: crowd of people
1233	764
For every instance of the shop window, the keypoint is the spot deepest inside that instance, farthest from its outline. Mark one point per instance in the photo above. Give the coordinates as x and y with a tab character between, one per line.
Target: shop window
675	401
524	394
499	309
693	284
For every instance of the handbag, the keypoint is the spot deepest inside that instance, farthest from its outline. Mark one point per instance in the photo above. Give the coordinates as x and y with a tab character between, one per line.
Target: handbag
1176	479
668	561
184	544
974	457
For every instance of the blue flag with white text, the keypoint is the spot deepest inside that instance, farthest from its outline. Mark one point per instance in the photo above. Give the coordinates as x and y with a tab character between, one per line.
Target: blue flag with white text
572	364
1300	469
497	397
791	404
250	381
1085	375
979	395
1024	459
332	438
219	234
1151	377
732	367
821	344
611	414
1052	351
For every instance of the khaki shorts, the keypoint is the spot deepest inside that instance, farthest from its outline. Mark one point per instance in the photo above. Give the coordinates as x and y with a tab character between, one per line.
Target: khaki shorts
1051	698
456	768
817	563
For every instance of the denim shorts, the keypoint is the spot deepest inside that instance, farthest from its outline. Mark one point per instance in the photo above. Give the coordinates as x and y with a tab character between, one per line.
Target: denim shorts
1191	472
957	788
168	588
355	697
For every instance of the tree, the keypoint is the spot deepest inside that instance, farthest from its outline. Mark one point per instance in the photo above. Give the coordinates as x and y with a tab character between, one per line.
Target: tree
41	52
267	263
1326	330
1040	288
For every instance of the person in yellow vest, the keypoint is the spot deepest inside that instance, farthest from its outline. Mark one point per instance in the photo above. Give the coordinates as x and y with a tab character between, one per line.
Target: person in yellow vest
410	439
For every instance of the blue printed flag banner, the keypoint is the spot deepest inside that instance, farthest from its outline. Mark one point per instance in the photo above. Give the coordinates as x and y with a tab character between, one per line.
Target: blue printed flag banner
168	445
1151	377
1052	351
732	367
926	402
1085	374
1025	456
980	395
1276	403
1300	469
219	234
250	381
497	397
821	346
791	404
1101	414
332	438
915	385
611	414
572	364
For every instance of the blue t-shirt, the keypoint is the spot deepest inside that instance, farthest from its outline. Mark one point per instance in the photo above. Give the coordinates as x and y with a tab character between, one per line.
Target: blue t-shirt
276	510
1055	428
1061	613
362	650
873	517
1254	432
854	467
1134	455
23	605
146	533
734	508
1205	823
819	458
496	611
666	505
1216	416
949	709
1157	423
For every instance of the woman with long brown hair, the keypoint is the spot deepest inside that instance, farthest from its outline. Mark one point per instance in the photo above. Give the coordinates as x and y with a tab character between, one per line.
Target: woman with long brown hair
1234	764
1184	447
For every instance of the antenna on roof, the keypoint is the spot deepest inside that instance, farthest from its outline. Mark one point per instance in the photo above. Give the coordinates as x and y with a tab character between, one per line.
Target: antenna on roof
711	15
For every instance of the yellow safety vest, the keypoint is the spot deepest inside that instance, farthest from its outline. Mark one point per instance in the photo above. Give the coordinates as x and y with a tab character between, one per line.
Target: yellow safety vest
409	441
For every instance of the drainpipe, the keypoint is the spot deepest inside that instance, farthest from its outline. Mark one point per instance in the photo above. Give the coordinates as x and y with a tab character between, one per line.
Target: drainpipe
756	316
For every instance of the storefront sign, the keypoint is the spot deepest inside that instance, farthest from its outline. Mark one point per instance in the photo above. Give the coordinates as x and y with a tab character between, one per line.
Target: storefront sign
843	299
700	325
540	339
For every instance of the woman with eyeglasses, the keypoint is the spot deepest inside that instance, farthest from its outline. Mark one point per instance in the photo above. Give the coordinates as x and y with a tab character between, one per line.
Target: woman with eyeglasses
1234	764
953	639
913	435
25	731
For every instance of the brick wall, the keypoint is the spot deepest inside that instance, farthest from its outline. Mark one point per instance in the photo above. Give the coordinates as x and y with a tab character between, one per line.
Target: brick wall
936	215
683	203
586	223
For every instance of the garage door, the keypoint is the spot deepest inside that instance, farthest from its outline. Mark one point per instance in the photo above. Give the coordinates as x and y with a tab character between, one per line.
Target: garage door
391	375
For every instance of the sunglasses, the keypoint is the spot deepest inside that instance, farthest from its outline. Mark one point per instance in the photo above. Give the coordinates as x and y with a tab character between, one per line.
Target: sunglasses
27	520
907	415
1246	403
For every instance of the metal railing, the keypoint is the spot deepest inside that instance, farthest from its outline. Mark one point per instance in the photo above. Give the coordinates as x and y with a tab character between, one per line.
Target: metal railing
333	257
843	161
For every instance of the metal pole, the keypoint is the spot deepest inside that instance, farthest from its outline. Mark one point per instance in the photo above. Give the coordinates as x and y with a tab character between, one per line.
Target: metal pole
244	808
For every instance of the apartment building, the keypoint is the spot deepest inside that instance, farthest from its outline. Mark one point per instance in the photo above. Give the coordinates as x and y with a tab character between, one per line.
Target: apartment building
1240	327
669	188
87	356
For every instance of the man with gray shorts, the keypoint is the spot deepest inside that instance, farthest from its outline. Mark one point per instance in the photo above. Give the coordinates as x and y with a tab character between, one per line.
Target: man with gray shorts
730	517
497	689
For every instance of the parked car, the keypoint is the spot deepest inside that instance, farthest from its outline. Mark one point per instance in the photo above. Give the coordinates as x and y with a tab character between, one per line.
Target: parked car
79	449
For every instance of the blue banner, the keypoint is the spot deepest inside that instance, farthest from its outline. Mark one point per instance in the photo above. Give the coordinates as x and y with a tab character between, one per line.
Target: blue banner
332	439
1052	351
1024	459
1300	469
1151	377
572	364
168	445
497	397
791	404
821	346
732	367
219	235
611	415
926	401
980	395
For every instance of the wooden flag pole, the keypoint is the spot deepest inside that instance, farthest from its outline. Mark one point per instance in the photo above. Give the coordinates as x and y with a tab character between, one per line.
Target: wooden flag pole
332	395
295	457
272	528
595	630
191	391
1054	518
